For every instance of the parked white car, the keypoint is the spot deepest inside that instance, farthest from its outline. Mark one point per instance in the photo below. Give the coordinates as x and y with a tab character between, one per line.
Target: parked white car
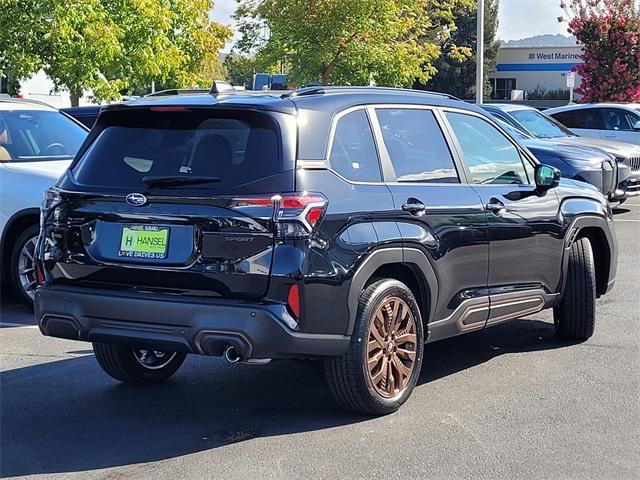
609	121
37	144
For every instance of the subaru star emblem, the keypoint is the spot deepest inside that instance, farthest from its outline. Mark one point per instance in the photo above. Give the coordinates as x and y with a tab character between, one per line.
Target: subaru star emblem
136	199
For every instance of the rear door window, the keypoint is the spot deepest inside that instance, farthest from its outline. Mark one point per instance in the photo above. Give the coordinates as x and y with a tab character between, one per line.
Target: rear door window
237	149
416	146
585	118
353	152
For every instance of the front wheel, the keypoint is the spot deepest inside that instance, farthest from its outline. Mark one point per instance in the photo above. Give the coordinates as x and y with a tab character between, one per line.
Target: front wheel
575	317
137	365
381	367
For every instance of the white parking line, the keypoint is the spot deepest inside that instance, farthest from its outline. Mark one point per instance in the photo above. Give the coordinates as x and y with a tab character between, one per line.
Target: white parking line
24	325
615	220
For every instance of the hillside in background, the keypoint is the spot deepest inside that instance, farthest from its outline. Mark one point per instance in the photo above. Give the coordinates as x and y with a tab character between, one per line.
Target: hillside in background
543	41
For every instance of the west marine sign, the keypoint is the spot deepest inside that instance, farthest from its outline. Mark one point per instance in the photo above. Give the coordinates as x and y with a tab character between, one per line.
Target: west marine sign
541	59
555	56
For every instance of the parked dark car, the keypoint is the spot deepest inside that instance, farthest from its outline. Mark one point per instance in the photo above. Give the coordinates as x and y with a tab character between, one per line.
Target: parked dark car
85	115
539	125
585	164
349	224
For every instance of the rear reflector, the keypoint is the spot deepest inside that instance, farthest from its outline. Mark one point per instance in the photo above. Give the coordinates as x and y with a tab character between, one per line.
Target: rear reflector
39	275
293	301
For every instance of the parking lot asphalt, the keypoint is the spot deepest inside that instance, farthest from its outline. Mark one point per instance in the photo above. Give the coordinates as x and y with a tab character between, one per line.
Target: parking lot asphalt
508	402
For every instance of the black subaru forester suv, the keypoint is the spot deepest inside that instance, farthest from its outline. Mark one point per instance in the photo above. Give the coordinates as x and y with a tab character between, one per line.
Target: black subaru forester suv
353	225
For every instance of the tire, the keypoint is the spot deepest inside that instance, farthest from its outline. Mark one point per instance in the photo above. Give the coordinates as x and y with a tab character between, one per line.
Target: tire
575	317
350	381
120	362
22	271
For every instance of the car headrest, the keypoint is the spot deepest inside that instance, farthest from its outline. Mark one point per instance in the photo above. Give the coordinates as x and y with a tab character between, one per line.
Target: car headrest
212	156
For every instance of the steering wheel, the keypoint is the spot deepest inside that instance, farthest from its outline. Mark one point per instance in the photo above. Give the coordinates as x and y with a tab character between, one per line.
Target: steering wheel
50	149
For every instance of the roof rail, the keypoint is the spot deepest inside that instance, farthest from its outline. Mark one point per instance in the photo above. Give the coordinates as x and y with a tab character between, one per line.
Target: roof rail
323	89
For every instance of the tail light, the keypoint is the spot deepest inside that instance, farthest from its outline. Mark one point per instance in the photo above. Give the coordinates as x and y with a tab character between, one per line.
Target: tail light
296	215
51	200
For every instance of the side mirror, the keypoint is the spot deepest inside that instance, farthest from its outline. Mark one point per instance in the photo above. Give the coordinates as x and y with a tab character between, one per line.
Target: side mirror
636	127
547	177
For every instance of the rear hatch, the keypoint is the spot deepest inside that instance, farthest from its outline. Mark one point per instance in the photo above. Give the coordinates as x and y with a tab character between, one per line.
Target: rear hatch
154	202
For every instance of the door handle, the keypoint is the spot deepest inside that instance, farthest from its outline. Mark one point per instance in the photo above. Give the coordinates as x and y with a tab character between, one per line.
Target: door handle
496	206
414	207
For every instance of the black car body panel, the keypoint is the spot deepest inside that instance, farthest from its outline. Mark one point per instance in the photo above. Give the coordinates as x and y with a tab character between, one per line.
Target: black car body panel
238	273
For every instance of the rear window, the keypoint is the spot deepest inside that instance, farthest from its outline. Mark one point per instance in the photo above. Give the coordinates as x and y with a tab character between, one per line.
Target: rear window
238	149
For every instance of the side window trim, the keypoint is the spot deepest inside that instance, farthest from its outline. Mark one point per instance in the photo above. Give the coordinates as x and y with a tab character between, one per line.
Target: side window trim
524	156
331	141
389	174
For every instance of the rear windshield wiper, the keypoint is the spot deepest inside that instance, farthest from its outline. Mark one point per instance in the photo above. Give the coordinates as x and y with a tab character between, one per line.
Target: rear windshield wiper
171	180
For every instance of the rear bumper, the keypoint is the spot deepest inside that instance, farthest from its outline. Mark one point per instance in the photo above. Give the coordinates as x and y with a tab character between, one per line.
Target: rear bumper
189	325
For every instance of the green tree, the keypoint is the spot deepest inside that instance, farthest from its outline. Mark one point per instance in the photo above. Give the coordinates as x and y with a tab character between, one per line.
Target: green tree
241	67
20	32
114	46
391	42
457	65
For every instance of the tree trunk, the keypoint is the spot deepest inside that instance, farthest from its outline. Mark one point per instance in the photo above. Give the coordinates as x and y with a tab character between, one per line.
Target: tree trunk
325	77
74	96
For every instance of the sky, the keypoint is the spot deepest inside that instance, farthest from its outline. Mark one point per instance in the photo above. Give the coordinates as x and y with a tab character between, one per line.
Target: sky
518	18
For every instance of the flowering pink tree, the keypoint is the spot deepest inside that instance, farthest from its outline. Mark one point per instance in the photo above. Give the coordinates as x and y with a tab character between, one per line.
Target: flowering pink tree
609	32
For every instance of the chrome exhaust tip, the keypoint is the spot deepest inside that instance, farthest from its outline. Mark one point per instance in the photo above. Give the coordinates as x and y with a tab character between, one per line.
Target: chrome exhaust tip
231	355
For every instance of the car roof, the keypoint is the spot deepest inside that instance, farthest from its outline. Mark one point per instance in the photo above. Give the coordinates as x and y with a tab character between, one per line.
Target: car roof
508	107
328	98
315	107
21	104
80	111
582	106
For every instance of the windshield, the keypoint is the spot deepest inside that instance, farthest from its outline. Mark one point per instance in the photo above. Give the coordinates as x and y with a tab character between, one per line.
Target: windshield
541	126
146	149
514	132
34	136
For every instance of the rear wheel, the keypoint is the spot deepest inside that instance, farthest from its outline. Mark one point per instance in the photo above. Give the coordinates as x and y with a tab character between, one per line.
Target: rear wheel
23	274
575	317
381	367
137	365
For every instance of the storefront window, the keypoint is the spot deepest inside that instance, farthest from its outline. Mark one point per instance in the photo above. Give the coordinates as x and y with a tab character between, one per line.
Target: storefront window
502	88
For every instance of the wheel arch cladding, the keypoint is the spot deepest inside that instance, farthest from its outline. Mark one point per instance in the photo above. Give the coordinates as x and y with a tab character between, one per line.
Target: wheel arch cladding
601	255
603	243
408	266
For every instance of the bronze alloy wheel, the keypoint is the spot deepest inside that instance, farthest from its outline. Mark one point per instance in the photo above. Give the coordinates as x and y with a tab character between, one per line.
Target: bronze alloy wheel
391	348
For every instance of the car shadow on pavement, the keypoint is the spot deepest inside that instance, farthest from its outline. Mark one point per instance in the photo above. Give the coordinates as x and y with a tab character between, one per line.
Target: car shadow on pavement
68	416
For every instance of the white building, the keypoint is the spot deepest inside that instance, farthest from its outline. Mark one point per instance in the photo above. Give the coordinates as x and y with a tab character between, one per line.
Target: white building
40	87
533	68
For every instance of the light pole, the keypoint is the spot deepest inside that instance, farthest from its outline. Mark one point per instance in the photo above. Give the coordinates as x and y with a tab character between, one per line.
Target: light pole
480	54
